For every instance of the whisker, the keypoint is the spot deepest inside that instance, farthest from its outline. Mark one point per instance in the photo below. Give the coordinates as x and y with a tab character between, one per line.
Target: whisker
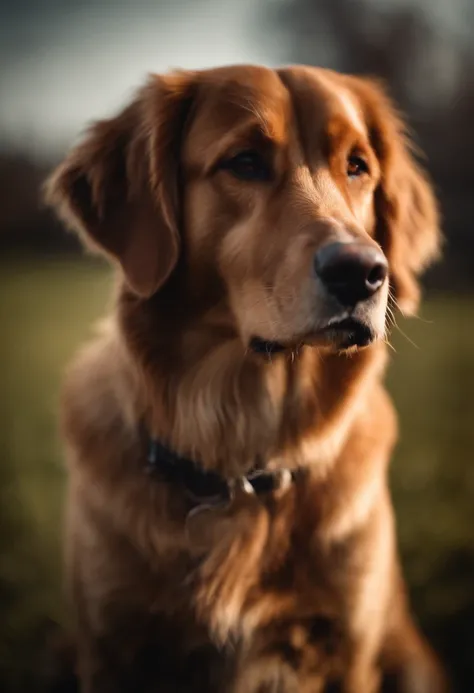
395	323
388	343
395	303
407	337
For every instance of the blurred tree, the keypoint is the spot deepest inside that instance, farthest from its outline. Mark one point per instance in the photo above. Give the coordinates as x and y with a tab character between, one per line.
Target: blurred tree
25	223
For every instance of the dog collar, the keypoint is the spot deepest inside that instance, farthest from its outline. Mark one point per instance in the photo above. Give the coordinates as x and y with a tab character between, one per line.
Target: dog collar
208	487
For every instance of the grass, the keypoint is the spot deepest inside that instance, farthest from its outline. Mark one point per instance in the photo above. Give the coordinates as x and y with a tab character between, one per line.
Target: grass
47	309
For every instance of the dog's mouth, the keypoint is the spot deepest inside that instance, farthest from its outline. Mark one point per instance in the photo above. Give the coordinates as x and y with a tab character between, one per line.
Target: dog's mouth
349	332
342	333
264	346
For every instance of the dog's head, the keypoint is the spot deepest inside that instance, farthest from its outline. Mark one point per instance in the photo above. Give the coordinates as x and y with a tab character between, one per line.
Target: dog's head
288	199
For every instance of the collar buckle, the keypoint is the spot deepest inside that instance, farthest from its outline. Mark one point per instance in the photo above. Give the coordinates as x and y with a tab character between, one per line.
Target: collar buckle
208	488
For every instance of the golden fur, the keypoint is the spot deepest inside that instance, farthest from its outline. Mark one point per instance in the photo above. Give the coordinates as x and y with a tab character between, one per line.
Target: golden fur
299	590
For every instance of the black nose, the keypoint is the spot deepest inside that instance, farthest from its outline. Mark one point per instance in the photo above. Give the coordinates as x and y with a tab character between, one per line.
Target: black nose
351	272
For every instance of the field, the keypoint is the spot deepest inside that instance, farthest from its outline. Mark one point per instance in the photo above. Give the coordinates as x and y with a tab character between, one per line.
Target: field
46	310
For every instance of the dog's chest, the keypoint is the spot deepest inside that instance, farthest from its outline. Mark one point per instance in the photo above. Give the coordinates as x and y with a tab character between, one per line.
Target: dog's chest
272	583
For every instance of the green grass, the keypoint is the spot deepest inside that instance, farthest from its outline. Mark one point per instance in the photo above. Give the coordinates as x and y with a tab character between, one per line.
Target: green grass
47	309
432	478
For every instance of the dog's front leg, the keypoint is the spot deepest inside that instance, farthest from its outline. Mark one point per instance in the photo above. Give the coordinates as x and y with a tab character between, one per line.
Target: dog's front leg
363	676
96	673
266	675
408	663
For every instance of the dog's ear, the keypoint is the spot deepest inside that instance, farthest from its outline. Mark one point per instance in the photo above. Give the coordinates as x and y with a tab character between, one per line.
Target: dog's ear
119	188
407	220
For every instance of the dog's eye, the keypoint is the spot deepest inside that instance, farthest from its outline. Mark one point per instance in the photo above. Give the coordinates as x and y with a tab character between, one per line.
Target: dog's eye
356	166
248	165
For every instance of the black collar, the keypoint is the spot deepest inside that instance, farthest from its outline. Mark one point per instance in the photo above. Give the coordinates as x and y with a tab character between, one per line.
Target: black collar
207	487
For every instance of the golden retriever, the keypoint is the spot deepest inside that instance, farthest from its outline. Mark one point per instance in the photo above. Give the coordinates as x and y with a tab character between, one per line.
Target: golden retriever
228	434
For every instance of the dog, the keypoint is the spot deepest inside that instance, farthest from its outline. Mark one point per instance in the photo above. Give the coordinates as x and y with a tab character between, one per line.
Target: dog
229	523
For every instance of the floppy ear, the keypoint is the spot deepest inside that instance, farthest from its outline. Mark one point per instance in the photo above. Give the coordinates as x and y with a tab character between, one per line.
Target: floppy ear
407	221
119	188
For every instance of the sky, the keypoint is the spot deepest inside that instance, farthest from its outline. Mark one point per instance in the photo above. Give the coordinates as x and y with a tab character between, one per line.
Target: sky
79	61
64	63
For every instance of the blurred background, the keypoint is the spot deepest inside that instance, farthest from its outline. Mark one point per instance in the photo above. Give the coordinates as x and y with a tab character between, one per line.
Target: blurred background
63	64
